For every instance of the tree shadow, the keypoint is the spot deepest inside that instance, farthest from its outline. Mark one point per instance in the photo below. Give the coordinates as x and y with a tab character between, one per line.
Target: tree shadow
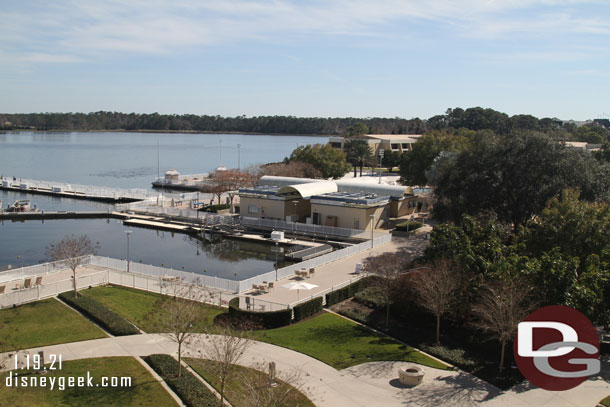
461	389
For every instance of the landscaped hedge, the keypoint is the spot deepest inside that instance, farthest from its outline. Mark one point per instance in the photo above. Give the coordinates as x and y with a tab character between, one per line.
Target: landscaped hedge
109	320
264	320
192	392
346	292
408	226
216	208
307	309
372	297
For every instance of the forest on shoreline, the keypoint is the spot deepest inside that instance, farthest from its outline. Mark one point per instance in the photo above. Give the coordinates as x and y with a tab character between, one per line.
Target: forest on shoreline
475	118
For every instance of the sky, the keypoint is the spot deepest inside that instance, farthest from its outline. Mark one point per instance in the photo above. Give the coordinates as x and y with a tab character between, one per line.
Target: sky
325	58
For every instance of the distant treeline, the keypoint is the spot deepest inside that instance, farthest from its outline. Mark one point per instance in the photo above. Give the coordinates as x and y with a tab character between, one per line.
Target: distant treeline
476	118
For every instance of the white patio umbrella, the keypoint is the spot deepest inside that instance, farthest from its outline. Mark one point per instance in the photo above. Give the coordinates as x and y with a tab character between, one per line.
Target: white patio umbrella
299	285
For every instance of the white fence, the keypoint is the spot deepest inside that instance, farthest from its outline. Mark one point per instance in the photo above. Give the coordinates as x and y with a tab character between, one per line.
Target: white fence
300	227
32	271
257	305
41	292
153	278
245	285
160	273
89	190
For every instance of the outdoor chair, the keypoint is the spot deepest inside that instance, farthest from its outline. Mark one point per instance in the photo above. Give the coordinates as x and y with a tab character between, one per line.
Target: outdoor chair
312	271
2	288
38	281
271	285
27	283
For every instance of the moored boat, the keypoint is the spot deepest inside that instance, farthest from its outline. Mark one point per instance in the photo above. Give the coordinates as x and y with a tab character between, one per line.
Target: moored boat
22	205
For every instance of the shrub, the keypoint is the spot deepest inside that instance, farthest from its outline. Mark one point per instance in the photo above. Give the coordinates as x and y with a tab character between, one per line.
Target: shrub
307	309
346	292
454	356
408	226
372	297
263	320
216	208
192	392
109	320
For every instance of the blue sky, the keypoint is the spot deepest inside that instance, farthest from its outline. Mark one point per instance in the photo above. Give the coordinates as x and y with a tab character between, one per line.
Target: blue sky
362	58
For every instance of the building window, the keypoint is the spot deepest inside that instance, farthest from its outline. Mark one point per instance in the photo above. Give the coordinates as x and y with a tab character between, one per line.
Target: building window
405	146
335	144
254	209
395	146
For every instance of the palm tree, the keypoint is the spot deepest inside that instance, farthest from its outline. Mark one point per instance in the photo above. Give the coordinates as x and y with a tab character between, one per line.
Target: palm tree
358	152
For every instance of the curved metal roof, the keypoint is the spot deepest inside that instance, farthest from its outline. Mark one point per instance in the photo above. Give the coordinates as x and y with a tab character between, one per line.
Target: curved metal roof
395	191
309	189
282	181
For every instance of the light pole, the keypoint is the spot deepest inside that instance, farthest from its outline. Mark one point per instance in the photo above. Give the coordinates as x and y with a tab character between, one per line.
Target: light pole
372	230
294	224
380	158
128	233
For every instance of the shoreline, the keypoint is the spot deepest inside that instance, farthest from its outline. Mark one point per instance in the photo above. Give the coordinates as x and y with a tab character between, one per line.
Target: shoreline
201	132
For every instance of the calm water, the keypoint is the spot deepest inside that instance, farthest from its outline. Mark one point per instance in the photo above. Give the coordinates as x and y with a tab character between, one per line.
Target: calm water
130	161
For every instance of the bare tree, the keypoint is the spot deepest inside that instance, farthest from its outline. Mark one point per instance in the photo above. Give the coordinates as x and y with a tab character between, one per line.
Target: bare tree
72	252
500	308
385	270
230	181
290	169
224	345
178	314
436	288
263	391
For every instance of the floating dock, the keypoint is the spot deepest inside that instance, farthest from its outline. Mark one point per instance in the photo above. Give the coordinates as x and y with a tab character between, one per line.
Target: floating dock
41	215
73	191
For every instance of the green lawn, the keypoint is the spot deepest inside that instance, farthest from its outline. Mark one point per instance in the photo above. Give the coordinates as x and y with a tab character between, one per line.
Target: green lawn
135	306
236	393
605	402
41	323
342	343
144	389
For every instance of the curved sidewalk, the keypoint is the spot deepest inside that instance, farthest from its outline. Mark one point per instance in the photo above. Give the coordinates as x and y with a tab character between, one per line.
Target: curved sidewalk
367	385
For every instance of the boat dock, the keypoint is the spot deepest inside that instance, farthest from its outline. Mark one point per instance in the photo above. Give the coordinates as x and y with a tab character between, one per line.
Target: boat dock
41	215
74	191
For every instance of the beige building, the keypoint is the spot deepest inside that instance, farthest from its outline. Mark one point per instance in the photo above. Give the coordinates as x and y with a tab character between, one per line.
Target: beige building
345	204
399	143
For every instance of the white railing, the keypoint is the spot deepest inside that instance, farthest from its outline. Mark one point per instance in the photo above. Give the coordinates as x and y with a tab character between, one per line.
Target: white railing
245	285
166	273
257	305
41	292
34	271
152	278
296	227
89	190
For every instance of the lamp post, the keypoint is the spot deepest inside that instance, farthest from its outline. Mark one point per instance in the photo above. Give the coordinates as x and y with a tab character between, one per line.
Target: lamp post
128	233
277	250
372	230
380	158
294	226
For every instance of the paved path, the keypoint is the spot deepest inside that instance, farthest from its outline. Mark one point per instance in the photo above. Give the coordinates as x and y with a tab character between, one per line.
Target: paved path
336	272
366	385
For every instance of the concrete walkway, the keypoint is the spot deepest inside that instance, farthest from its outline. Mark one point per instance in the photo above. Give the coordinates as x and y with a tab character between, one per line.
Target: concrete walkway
366	385
336	272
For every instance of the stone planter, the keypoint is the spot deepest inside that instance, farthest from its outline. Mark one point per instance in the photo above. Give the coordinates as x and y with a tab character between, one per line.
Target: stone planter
411	375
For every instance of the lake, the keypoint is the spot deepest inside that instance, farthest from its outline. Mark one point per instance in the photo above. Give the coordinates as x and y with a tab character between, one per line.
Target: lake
129	160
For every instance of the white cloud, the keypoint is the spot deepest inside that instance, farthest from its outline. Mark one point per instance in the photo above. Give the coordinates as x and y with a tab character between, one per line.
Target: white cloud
74	30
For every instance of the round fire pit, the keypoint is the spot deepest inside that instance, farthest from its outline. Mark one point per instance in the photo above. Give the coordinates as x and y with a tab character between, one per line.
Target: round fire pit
411	375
